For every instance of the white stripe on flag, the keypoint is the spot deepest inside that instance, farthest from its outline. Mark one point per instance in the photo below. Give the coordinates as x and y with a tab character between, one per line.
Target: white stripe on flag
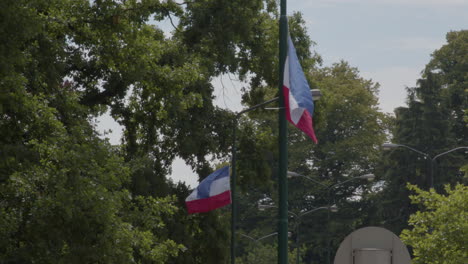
192	196
295	111
286	73
219	186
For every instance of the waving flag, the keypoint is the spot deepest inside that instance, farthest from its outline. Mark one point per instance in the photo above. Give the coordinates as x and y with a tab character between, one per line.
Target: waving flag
297	95
213	192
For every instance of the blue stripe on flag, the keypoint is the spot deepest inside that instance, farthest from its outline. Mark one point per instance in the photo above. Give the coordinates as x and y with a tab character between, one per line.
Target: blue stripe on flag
204	188
298	84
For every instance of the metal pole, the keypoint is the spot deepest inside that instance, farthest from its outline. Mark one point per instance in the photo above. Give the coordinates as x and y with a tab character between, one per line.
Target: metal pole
283	147
233	194
234	176
431	174
297	239
328	225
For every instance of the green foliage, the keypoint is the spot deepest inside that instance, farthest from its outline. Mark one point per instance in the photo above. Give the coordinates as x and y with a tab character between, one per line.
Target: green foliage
62	64
264	254
62	197
439	231
349	124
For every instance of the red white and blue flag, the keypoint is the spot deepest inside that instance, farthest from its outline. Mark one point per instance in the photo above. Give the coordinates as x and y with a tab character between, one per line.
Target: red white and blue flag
213	192
297	95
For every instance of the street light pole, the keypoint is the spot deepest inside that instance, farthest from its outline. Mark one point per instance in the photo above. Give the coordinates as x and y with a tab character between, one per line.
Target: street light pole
298	218
234	175
282	142
299	221
369	177
388	146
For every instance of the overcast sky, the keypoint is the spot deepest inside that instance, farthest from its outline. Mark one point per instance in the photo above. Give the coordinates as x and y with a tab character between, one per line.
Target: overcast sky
389	41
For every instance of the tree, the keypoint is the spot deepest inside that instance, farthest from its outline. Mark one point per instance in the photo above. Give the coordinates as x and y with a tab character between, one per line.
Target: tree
62	192
433	123
449	64
439	230
70	61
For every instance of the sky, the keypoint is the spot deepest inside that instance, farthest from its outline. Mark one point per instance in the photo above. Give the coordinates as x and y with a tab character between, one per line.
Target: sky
389	41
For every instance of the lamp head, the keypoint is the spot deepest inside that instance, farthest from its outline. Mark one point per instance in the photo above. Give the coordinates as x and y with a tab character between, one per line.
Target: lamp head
262	207
292	174
316	94
389	146
369	177
333	208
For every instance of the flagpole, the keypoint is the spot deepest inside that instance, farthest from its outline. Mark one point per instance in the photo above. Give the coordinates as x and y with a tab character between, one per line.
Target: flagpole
233	193
283	146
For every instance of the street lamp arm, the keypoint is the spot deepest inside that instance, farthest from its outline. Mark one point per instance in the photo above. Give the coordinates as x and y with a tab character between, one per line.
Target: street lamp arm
316	93
313	210
341	183
391	145
369	177
263	237
258	239
264	206
249	237
315	181
415	150
447	152
257	106
295	174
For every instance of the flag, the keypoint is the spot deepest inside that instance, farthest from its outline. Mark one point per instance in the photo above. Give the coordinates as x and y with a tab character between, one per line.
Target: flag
297	95
213	192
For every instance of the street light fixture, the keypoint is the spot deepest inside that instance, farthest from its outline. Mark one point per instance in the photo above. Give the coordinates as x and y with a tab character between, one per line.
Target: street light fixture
334	208
298	216
389	146
369	177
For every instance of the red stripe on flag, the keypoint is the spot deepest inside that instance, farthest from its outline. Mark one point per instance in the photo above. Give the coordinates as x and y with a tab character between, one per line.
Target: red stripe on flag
305	123
208	204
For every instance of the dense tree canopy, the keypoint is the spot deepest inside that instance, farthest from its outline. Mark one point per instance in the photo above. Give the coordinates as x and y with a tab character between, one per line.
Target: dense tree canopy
68	196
